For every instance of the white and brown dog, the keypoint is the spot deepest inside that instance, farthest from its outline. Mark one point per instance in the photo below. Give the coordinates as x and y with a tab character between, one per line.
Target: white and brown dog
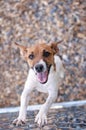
45	72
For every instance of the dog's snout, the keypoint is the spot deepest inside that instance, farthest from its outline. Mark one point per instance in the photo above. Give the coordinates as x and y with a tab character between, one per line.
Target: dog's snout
39	68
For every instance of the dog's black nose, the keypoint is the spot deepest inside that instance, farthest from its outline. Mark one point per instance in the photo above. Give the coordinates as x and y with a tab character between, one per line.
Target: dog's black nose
39	68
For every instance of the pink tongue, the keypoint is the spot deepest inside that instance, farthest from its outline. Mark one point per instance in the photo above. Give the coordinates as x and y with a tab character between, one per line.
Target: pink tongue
42	77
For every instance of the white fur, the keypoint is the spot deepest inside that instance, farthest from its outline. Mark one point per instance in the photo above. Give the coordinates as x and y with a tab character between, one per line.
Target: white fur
43	63
51	87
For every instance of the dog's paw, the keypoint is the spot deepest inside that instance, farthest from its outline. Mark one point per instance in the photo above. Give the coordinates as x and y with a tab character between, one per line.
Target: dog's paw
41	119
19	122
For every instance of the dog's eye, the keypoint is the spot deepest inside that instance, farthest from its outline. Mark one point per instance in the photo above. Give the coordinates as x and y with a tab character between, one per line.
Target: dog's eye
46	53
31	56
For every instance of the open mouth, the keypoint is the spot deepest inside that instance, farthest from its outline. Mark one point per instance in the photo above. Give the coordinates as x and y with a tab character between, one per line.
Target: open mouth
42	77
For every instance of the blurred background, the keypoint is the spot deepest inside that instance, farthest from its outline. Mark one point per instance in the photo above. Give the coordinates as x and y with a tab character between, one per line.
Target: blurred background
29	21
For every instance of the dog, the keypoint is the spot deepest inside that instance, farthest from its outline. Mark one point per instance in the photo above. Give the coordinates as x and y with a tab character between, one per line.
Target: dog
45	73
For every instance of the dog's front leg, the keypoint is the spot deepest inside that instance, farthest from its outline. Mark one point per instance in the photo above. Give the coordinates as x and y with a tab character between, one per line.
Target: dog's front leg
23	107
41	117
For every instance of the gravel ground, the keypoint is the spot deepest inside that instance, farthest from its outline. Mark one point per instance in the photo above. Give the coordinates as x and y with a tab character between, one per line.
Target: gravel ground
29	21
73	118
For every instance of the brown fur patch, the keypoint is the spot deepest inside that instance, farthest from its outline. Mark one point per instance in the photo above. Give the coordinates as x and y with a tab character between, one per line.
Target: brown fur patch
37	51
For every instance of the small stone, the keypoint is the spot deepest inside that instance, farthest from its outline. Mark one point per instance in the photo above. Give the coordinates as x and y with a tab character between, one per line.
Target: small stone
65	57
53	10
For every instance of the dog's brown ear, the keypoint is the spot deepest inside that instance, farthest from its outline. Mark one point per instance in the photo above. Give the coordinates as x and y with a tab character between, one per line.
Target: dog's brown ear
54	47
23	49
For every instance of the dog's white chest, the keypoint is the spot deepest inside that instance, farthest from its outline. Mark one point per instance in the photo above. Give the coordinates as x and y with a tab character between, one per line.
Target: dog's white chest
42	88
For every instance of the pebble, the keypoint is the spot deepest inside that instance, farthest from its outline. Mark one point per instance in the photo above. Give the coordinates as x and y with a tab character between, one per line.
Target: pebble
65	57
53	10
57	120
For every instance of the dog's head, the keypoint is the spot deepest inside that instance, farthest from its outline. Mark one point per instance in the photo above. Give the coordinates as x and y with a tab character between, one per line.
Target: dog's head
40	58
